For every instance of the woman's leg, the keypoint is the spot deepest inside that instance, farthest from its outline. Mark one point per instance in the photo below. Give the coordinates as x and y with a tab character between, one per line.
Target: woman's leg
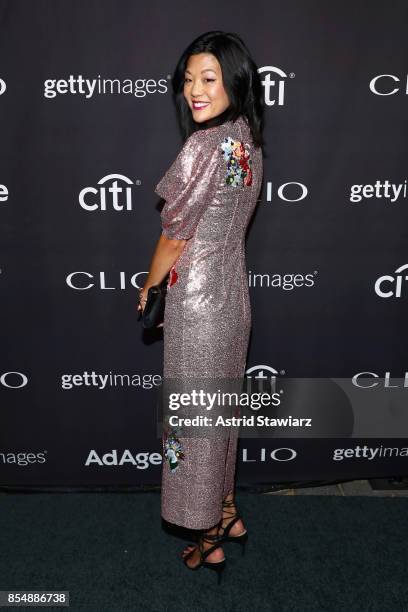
229	485
227	516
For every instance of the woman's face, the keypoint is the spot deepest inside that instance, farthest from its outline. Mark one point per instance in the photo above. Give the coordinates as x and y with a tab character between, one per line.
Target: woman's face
203	87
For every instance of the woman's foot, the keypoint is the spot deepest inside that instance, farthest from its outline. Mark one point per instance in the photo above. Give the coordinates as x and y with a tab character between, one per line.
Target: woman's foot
216	556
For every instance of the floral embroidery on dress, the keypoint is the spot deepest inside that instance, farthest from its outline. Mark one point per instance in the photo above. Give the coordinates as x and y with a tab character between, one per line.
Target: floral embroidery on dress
173	276
239	162
173	450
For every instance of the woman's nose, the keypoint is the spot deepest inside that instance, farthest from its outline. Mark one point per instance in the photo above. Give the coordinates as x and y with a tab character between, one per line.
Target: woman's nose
196	90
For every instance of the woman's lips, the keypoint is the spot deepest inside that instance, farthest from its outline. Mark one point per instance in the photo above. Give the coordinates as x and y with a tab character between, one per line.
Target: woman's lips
200	105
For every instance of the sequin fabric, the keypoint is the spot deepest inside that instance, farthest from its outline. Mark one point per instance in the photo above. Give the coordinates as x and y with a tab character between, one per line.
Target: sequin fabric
209	202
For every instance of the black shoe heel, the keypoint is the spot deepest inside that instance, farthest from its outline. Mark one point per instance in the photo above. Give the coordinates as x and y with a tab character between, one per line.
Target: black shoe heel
241	539
217	567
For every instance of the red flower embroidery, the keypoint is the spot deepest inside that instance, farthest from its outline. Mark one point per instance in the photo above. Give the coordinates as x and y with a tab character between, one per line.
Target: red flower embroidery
244	163
239	162
173	276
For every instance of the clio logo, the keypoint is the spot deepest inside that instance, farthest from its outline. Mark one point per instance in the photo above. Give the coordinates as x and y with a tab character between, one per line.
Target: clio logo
263	455
85	280
368	380
109	194
289	192
387	85
13	380
387	286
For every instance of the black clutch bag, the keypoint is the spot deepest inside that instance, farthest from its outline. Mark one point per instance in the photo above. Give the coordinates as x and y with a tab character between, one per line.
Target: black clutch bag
153	312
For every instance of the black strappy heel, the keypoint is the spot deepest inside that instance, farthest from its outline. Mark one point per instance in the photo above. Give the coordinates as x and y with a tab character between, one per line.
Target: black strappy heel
242	538
218	566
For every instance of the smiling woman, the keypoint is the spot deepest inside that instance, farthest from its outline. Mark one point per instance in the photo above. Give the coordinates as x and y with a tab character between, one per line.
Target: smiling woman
210	192
203	87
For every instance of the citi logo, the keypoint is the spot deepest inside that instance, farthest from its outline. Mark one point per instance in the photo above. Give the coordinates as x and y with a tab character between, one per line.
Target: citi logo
368	380
288	192
2	87
388	85
262	455
113	458
262	378
273	81
109	194
82	281
388	285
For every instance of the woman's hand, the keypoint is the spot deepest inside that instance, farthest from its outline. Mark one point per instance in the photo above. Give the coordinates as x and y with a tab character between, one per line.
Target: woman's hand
142	303
166	253
142	298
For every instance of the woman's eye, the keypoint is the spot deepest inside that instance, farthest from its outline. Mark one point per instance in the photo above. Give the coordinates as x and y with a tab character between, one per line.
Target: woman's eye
186	80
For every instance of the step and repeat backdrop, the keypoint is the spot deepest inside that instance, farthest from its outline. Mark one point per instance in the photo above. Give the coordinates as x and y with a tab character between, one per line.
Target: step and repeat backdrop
87	129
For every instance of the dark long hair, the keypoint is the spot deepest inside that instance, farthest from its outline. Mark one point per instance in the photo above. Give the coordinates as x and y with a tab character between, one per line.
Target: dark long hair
241	81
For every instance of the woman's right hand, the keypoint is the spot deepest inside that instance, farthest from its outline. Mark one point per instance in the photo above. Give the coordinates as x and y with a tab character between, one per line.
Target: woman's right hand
142	299
142	303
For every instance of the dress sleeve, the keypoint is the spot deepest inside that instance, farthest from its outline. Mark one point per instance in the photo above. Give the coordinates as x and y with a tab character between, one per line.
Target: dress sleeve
188	186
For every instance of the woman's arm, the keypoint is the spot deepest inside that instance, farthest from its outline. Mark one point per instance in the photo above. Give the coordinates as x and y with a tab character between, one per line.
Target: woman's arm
166	253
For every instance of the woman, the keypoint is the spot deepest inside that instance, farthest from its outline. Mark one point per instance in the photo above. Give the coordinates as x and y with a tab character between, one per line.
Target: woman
210	190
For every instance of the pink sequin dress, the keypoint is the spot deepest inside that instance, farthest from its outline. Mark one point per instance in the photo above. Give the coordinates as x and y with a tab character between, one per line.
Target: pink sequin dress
211	191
